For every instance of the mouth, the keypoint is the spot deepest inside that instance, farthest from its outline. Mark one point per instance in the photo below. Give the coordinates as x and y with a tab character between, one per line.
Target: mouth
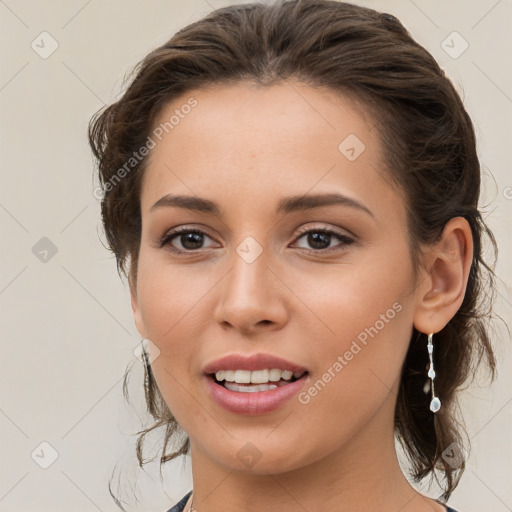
254	398
245	381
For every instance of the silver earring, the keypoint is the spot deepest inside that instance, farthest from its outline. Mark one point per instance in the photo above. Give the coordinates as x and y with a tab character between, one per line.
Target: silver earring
435	403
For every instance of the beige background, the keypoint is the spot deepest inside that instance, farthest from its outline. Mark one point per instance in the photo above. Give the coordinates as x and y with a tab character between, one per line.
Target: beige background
67	329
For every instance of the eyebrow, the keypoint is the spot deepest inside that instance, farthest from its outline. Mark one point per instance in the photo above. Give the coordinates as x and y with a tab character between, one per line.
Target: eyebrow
286	205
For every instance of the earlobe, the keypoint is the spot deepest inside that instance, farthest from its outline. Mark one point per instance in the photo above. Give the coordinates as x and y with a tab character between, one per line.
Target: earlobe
137	316
443	285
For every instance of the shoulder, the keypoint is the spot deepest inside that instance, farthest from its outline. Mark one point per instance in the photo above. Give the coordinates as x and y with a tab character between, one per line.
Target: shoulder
181	504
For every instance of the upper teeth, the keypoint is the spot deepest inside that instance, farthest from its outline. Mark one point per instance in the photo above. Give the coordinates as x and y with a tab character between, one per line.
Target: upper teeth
255	377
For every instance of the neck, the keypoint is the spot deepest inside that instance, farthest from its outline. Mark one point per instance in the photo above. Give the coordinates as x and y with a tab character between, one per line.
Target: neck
363	474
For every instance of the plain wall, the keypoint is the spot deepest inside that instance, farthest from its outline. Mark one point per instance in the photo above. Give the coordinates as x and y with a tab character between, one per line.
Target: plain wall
67	326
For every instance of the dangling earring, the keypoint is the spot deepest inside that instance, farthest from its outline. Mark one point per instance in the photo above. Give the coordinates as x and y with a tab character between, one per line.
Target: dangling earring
435	403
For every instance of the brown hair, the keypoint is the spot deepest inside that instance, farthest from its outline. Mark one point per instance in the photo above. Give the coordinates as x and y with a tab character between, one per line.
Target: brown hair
430	152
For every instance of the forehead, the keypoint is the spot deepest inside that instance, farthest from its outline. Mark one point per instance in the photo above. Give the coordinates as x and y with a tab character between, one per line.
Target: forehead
288	137
253	115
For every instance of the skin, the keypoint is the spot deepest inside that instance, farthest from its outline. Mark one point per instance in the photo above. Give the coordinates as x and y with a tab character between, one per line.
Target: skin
246	148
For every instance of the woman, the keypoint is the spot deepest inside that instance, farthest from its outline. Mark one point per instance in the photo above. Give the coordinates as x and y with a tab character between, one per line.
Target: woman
292	190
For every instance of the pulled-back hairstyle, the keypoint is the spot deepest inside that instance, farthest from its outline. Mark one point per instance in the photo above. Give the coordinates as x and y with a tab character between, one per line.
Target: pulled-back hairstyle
429	153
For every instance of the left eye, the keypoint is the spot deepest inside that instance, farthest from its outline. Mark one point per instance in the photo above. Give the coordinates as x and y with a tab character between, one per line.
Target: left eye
320	239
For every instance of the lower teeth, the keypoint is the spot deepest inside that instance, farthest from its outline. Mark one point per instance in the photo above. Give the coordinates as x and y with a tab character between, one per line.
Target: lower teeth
254	388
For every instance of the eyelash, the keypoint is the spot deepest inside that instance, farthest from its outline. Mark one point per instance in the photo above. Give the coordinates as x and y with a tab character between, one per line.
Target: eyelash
168	237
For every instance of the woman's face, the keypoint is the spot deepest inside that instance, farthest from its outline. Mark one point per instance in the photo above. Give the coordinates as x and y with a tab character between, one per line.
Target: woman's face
261	277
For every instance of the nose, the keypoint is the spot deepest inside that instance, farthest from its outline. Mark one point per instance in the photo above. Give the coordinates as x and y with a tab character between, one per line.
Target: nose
253	296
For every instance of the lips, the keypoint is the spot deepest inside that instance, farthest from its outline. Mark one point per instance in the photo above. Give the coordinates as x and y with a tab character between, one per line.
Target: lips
252	363
255	402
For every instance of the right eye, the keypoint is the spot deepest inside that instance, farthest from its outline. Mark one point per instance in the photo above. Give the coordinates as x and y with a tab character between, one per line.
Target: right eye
189	239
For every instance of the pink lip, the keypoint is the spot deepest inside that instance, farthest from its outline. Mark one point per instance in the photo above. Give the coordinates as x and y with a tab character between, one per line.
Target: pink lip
252	363
260	402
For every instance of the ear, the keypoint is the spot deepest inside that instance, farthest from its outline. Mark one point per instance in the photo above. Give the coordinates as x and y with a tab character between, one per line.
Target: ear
137	315
443	283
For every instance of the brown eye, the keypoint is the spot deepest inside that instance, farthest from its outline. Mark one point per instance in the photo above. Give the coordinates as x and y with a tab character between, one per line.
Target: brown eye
320	239
189	239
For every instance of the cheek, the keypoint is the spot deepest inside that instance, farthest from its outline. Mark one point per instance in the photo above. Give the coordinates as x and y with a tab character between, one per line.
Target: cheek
171	300
348	300
358	369
175	309
364	315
